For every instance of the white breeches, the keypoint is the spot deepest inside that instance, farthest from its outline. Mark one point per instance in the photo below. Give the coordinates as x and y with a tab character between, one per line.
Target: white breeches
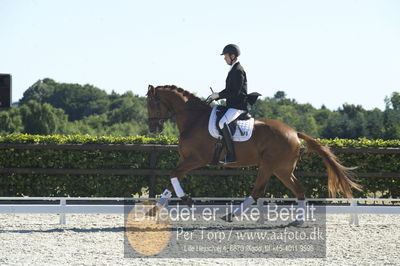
230	115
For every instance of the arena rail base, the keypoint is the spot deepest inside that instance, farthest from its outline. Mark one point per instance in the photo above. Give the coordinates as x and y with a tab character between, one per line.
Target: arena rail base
68	205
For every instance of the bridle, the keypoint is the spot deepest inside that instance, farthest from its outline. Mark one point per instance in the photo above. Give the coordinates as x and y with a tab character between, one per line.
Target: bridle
158	103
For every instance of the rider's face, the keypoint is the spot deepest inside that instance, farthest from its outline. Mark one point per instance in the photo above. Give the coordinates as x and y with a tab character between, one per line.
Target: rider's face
229	58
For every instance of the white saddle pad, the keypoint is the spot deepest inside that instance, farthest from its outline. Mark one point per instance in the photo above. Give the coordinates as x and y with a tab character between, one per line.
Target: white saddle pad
243	131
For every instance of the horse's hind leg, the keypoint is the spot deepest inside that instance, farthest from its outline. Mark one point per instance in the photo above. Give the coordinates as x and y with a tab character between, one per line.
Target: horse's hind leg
263	175
291	182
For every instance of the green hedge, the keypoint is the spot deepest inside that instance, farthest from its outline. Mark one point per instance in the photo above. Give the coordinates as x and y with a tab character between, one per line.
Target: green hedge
215	186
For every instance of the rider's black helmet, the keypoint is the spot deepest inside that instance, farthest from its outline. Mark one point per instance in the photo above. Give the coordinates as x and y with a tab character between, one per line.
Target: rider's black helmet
231	49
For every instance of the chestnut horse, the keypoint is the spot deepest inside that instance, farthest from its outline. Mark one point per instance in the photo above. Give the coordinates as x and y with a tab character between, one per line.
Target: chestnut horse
274	146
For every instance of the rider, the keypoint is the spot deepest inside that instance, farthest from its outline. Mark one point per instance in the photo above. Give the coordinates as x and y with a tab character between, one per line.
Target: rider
235	94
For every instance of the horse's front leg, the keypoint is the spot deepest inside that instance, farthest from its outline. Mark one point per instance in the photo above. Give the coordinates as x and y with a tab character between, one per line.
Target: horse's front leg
177	175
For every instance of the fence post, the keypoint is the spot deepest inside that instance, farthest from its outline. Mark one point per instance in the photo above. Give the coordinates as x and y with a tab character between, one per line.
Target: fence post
152	177
354	216
260	206
63	218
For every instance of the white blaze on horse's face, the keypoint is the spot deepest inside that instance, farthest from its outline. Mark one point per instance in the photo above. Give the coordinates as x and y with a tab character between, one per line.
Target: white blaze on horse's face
157	111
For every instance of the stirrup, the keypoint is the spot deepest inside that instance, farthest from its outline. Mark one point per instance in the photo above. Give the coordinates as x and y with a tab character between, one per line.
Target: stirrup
226	161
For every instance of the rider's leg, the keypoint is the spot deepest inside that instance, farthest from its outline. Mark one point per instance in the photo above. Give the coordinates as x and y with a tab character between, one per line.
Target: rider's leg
230	148
230	115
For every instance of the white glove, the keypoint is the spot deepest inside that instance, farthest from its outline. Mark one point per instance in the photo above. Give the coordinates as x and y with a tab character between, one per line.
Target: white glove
214	96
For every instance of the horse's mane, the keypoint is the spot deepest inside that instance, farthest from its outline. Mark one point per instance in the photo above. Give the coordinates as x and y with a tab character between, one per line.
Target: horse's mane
191	98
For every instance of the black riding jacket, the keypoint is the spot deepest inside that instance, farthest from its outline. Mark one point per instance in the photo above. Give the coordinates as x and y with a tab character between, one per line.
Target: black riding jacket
235	91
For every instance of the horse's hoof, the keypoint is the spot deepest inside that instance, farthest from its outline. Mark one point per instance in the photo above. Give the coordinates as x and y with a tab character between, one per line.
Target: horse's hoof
296	223
152	211
187	201
228	218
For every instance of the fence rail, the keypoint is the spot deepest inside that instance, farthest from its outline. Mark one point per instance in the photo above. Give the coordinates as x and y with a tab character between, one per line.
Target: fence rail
66	205
159	147
152	172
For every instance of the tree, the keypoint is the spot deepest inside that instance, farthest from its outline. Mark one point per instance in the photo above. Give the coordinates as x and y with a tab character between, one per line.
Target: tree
127	108
79	101
10	121
40	91
348	122
375	124
280	95
93	111
170	129
308	124
391	121
393	101
262	109
321	117
43	118
391	116
76	100
288	115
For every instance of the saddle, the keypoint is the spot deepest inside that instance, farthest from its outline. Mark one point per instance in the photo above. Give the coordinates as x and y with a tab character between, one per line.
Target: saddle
232	125
241	129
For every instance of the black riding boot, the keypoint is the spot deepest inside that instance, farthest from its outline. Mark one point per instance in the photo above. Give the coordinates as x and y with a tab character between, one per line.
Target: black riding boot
230	150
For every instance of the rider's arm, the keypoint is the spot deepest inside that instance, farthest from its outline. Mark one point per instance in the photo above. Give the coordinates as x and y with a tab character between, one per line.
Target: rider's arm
233	85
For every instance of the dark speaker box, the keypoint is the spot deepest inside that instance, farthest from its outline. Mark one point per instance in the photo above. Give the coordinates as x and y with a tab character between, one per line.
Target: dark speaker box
5	90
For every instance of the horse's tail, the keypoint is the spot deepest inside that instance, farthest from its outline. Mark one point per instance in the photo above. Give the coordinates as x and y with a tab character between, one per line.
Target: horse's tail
339	177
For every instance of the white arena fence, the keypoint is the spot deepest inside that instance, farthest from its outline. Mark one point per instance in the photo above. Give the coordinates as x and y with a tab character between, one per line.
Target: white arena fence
86	205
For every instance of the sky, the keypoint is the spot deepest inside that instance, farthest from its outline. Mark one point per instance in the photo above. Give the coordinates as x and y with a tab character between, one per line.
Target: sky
322	52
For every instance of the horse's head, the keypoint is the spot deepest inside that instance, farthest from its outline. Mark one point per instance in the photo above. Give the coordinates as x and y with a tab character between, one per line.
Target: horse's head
157	110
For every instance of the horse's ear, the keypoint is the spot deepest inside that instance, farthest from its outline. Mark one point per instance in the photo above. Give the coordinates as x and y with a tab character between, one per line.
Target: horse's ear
151	89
